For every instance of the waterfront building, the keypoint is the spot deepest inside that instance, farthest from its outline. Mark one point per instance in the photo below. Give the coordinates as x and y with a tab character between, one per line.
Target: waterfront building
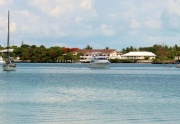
177	58
109	53
5	50
138	55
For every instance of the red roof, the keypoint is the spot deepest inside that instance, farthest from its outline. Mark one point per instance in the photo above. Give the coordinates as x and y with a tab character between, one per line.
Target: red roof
105	51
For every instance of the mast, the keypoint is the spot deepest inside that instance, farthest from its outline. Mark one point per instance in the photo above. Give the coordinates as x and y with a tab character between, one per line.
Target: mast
8	40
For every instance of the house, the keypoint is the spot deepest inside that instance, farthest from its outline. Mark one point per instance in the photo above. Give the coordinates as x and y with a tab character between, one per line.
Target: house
87	54
139	55
177	58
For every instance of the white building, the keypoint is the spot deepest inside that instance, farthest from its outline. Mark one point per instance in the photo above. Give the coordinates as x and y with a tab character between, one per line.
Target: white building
138	55
110	53
177	58
5	50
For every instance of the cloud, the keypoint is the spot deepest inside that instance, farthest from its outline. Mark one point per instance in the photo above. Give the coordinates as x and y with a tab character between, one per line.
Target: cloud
87	4
173	6
1	2
153	23
134	24
73	20
106	30
171	16
58	7
5	2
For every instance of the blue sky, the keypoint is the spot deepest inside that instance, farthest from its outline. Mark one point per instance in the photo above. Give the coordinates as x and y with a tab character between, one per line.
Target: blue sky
99	23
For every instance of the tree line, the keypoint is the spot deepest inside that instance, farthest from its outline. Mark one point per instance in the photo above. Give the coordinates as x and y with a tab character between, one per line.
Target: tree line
42	54
63	54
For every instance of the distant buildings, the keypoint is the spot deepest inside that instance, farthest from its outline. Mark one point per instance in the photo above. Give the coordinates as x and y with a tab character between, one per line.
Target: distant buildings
5	50
86	55
177	58
113	54
109	53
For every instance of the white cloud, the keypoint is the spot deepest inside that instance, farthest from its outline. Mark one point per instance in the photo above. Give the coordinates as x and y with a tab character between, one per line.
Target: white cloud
134	24
168	40
106	30
87	4
3	24
153	24
173	6
58	7
78	19
1	2
95	19
5	2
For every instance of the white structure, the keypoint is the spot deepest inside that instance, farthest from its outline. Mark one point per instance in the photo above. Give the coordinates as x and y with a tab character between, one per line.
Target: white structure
177	57
139	55
109	53
1	60
5	50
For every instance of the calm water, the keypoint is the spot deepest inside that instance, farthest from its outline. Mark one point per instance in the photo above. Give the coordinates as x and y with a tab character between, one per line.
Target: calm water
75	94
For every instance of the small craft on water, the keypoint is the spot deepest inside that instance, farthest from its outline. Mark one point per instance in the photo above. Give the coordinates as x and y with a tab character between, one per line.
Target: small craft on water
8	66
99	60
178	65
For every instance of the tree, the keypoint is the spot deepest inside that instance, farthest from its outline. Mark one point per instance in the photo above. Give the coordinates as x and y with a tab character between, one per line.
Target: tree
88	47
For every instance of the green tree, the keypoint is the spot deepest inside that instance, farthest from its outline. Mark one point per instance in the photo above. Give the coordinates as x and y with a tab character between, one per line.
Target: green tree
88	47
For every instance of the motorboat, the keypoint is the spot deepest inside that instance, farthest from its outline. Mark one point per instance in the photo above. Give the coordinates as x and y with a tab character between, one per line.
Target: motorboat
8	66
99	61
178	65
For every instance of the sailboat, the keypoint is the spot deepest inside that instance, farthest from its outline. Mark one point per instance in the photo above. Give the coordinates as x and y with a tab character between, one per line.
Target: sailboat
8	66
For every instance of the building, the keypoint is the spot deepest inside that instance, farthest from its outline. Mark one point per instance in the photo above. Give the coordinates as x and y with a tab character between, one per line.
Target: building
87	54
139	56
5	50
177	58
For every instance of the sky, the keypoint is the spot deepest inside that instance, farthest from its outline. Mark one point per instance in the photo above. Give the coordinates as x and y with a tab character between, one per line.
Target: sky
115	24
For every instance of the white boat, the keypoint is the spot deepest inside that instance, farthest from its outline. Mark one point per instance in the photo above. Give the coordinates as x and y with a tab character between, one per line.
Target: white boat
177	65
99	61
8	66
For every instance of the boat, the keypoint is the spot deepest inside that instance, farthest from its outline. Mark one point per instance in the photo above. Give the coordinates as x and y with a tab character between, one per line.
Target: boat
98	60
8	66
1	60
178	65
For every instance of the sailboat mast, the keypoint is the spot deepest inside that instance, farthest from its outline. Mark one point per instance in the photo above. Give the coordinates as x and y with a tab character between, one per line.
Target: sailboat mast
8	39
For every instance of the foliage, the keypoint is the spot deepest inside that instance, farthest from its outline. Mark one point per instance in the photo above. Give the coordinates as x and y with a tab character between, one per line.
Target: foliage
163	52
42	54
88	47
63	54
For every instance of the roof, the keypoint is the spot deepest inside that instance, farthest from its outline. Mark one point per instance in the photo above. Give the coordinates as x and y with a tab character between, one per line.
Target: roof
139	54
5	50
105	51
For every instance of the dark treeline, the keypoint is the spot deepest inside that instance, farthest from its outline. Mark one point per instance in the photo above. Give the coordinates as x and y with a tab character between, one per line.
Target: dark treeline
42	54
63	54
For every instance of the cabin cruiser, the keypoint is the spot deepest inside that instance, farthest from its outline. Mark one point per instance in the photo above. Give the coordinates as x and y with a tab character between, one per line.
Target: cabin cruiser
178	65
99	61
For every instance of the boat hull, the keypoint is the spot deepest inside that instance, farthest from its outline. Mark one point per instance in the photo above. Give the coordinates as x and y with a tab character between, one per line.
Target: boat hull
98	65
8	67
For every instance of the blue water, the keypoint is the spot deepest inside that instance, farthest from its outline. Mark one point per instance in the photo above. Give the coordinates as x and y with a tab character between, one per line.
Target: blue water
76	94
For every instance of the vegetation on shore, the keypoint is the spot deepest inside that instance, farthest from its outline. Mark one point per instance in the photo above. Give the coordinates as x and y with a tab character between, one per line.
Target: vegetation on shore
34	53
165	54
